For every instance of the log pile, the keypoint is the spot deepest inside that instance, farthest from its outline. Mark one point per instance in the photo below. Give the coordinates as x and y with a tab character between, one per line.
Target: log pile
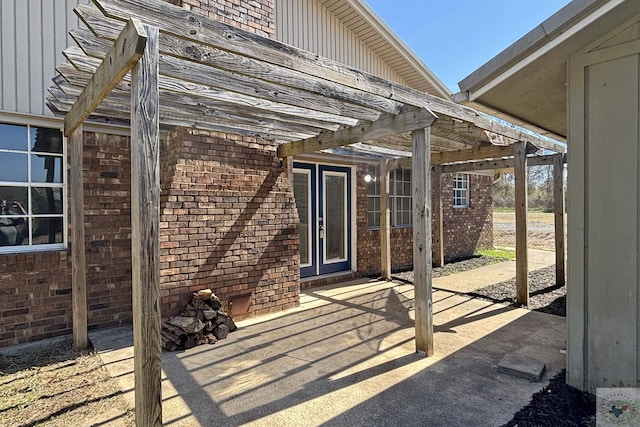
201	322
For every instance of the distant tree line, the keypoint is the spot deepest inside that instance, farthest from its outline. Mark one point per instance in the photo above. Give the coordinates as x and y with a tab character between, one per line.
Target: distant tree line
540	189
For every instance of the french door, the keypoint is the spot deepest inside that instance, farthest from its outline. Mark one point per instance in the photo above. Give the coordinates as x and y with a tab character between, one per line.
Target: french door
323	200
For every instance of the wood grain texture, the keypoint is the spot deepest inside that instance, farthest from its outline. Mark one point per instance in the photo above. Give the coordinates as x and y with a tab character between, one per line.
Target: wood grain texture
218	98
438	229
558	211
474	166
521	204
124	53
78	258
212	56
421	190
388	125
478	153
145	245
188	25
385	221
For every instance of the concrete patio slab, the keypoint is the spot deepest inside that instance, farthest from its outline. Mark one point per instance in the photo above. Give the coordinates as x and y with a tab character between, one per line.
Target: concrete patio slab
346	357
521	366
471	280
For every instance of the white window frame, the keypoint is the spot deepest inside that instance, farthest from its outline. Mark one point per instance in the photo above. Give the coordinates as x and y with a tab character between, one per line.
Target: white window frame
400	198
396	198
29	152
461	191
374	182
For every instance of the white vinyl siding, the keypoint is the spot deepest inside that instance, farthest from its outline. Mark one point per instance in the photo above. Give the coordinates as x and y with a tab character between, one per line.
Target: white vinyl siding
33	34
309	25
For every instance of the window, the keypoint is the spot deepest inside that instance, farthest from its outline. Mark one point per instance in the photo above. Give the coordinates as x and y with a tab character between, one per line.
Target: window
32	189
460	190
399	197
401	201
373	196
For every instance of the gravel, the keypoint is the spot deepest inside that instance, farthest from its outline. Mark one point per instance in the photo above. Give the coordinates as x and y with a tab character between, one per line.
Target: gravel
451	267
545	295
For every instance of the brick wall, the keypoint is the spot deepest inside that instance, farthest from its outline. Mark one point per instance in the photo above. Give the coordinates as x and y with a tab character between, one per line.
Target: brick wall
257	16
228	222
35	288
465	229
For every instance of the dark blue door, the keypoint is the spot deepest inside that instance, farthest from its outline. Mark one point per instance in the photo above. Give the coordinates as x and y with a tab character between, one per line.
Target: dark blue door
323	199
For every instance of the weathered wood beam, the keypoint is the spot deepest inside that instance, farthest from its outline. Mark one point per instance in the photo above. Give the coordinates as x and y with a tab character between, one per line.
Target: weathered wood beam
558	209
78	262
521	205
180	110
203	107
212	56
220	97
177	93
387	125
438	229
478	153
209	31
145	242
500	164
124	53
385	221
421	191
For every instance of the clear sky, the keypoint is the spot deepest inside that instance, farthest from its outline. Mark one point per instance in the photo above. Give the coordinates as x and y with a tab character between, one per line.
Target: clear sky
455	37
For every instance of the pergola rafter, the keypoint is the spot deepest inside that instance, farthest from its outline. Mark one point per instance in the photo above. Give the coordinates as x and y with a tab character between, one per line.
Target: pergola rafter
192	71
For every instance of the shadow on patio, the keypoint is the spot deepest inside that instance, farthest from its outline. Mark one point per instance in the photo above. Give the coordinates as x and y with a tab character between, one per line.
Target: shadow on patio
347	357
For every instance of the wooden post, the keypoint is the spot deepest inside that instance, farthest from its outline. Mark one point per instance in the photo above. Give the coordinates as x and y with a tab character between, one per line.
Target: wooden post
421	190
522	273
438	230
78	274
385	222
558	209
145	222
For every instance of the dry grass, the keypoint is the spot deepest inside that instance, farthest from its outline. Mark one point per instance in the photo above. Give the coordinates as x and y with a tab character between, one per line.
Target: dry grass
56	386
534	217
539	236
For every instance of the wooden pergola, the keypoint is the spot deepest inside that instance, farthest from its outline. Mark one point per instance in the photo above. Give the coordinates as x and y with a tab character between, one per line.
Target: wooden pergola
154	65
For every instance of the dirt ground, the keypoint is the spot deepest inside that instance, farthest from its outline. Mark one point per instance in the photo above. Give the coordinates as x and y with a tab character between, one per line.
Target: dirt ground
58	387
540	231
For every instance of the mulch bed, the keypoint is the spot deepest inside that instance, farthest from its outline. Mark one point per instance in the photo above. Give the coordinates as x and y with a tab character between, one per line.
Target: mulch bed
544	294
558	404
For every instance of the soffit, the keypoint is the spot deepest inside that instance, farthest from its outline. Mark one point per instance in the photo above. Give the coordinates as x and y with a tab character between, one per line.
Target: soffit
528	80
373	31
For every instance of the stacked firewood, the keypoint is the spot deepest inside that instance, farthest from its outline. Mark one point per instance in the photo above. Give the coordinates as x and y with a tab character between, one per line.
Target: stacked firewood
201	322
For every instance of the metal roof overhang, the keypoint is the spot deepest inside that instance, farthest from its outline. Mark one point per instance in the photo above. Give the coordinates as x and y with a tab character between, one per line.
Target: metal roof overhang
526	83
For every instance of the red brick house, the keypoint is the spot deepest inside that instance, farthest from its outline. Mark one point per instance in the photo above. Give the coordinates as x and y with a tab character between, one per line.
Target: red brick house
231	220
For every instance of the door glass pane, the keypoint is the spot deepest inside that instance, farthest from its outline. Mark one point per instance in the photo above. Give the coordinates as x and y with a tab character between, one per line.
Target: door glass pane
301	193
335	216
